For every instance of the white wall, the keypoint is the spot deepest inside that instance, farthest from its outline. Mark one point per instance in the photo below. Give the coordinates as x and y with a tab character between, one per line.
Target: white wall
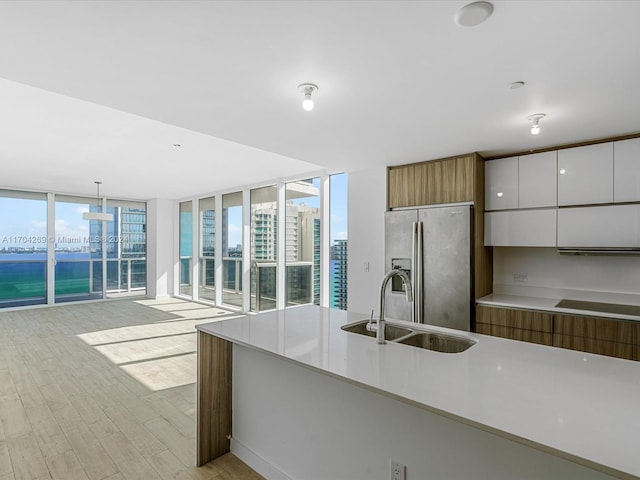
290	422
160	247
549	272
367	203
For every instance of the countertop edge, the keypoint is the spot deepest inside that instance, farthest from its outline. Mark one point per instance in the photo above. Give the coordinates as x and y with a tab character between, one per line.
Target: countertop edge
438	411
538	304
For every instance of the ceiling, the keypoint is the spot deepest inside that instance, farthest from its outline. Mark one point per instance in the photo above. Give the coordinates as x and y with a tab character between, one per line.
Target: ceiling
102	90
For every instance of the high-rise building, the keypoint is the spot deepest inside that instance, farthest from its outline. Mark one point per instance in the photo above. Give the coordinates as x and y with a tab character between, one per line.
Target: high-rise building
302	247
126	246
339	274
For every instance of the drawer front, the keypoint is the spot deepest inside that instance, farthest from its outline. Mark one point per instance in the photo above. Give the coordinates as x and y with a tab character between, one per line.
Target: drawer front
596	328
523	335
520	319
593	345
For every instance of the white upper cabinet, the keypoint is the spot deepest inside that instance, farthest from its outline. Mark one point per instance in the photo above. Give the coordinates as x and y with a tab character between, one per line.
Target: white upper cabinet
501	184
520	228
585	175
626	170
609	226
537	180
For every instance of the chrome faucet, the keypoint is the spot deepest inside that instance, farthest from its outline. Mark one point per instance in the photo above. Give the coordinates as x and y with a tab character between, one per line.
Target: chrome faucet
406	281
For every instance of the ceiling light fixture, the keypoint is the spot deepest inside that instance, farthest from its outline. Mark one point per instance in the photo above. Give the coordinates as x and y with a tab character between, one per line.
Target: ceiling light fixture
535	119
107	217
307	89
473	14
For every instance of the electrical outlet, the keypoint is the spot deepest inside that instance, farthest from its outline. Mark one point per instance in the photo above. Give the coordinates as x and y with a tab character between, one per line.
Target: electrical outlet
396	471
520	277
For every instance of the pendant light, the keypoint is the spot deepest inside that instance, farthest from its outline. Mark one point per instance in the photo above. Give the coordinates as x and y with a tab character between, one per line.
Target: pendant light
105	217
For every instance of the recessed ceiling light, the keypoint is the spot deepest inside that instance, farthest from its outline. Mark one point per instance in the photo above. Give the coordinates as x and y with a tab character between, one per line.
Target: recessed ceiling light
516	85
473	14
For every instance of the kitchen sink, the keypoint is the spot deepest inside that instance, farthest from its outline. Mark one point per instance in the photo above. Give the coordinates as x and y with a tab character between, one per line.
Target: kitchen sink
391	332
438	342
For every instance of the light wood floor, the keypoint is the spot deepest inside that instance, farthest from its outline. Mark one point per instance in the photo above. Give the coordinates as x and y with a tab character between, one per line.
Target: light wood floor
103	391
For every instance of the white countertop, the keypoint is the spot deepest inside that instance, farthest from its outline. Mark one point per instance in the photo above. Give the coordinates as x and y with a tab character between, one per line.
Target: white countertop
576	405
548	304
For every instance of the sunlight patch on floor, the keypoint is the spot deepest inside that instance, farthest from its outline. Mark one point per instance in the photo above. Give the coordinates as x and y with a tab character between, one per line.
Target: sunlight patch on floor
162	354
164	373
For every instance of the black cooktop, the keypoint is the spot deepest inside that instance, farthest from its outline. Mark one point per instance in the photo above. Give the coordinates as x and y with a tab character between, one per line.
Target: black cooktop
599	307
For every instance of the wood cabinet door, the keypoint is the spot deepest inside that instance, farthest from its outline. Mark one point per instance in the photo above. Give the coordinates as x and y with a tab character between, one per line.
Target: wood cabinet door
431	183
522	325
401	186
615	338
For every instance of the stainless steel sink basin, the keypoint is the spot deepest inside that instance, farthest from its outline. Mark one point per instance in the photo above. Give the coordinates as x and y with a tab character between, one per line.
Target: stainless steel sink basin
391	332
438	342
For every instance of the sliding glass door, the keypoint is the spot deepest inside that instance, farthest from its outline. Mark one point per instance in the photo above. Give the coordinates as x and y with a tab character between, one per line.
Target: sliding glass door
207	288
264	248
23	248
126	246
186	249
78	250
302	242
232	293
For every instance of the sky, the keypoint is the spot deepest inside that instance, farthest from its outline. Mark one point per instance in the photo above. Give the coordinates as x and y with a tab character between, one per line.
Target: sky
23	223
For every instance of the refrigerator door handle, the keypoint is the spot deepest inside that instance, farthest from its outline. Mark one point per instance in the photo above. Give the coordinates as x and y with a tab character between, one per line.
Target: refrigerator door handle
417	298
414	265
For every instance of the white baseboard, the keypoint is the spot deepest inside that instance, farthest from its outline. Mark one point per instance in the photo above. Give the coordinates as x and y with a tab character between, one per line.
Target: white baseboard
255	461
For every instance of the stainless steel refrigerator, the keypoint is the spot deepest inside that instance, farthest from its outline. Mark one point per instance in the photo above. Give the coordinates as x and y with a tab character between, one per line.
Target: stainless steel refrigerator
434	244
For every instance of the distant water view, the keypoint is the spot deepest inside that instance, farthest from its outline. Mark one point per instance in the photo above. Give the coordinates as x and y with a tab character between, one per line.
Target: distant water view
24	275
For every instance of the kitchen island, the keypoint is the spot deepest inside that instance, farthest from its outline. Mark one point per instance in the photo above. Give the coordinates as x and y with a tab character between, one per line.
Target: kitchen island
312	401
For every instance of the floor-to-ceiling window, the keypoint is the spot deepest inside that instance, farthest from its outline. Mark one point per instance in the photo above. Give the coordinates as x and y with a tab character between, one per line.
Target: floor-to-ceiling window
232	249
338	221
126	246
284	257
186	249
264	248
207	285
47	243
302	242
23	248
78	257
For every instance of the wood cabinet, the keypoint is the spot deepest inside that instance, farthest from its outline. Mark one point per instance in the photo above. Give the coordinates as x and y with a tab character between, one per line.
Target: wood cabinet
524	325
626	170
449	180
603	336
607	226
585	175
615	338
